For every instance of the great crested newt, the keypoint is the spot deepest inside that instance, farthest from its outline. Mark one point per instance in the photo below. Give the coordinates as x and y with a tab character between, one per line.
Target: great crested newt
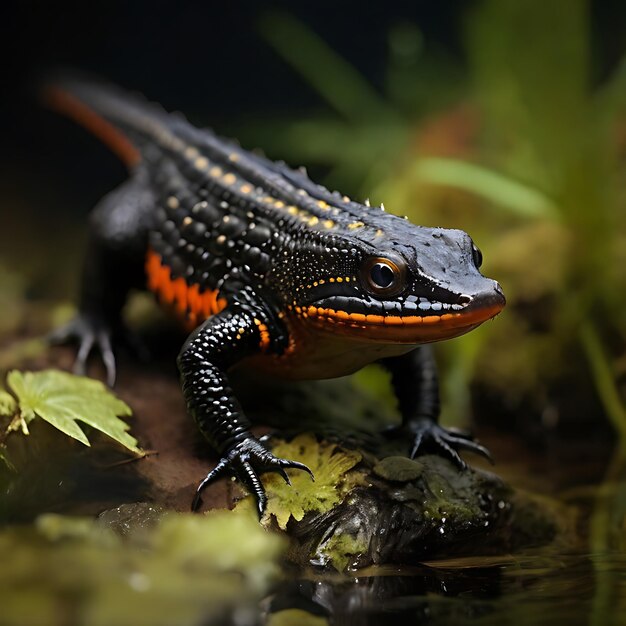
269	270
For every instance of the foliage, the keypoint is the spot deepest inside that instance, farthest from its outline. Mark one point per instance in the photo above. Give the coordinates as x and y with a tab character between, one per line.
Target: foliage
333	479
373	131
530	166
63	400
546	123
184	569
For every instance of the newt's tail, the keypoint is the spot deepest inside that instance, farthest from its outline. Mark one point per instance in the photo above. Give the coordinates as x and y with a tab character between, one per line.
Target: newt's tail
121	121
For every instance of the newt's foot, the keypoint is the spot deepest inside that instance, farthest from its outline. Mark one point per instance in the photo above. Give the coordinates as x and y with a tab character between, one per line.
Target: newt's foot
245	461
426	433
88	332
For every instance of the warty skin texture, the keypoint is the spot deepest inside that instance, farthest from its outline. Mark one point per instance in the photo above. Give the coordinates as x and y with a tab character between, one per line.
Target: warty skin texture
267	270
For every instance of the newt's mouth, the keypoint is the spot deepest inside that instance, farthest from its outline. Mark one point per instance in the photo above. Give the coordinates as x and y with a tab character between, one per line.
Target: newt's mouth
417	321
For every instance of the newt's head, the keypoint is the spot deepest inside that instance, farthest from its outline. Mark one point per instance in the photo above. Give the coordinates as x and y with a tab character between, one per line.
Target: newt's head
393	283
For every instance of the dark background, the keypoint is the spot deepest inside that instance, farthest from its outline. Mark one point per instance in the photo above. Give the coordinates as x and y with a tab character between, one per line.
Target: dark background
204	58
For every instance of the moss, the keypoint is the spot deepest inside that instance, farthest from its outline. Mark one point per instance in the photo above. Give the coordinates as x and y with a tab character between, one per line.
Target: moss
295	617
398	468
343	551
331	467
186	569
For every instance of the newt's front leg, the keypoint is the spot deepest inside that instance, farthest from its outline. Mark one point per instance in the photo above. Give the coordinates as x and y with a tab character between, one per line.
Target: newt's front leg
214	347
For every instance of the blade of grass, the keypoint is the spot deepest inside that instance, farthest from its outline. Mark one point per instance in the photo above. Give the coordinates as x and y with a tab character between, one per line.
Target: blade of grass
504	192
326	71
603	378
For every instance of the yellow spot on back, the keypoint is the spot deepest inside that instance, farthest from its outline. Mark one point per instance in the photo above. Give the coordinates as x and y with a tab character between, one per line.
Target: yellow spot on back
201	163
313	221
191	152
246	189
329	224
322	205
292	210
172	202
355	225
233	157
279	204
187	221
229	178
215	171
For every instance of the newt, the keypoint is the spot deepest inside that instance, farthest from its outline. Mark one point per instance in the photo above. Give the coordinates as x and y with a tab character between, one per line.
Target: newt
268	270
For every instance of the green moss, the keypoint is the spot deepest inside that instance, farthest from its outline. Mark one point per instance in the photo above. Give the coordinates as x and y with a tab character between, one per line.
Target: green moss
333	479
341	550
187	569
398	468
295	617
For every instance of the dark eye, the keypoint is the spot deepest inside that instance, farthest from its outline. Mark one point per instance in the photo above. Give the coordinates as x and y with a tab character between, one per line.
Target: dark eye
477	256
383	276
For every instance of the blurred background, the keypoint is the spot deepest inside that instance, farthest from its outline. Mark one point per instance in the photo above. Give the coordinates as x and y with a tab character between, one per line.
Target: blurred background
505	118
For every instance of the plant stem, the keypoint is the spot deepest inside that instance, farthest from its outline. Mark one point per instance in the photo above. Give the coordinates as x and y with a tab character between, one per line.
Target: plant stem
603	378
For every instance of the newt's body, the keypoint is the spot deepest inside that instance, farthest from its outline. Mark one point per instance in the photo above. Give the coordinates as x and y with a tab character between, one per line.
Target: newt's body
270	270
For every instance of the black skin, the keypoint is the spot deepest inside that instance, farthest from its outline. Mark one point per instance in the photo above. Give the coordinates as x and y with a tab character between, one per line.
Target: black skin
265	263
211	350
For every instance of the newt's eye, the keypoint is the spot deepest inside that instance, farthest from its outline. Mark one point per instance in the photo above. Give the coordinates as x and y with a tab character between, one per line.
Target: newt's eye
383	276
477	256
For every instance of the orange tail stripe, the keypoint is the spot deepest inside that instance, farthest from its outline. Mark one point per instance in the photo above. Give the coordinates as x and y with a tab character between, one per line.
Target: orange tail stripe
105	131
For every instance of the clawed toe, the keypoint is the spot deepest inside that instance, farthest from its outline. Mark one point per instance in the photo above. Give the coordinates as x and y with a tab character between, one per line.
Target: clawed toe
426	433
88	333
246	461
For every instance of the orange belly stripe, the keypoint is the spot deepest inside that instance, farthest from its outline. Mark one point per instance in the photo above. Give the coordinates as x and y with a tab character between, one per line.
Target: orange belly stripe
189	302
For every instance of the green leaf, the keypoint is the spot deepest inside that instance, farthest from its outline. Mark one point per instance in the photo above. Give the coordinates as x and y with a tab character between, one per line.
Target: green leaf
503	191
8	406
63	399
